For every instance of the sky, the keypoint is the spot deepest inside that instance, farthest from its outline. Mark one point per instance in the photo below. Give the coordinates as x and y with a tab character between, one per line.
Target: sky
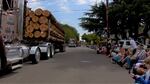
65	11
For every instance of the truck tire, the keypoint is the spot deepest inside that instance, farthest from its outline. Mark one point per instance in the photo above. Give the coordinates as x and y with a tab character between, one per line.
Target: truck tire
62	48
36	57
52	51
3	59
46	55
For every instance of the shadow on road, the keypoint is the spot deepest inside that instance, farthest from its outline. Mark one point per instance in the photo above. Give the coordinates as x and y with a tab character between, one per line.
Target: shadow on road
7	74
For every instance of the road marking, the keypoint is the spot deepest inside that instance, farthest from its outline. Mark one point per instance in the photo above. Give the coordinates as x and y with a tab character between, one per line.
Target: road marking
85	61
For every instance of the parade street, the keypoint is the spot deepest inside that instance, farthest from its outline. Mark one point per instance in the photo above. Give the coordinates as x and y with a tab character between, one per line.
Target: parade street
80	65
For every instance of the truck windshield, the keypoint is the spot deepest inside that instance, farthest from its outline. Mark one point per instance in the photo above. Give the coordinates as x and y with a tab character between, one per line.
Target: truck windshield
7	4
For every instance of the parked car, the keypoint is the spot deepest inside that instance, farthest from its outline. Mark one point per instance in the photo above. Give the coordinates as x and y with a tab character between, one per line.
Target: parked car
125	43
72	45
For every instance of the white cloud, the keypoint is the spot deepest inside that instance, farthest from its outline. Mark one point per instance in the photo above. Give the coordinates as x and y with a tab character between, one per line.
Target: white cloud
81	2
33	0
35	5
91	2
63	6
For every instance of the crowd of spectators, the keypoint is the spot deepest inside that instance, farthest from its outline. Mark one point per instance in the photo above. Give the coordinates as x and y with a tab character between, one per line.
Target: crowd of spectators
135	59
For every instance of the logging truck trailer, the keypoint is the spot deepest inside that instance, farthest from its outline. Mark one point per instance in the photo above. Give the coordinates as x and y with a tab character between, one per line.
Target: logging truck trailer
28	34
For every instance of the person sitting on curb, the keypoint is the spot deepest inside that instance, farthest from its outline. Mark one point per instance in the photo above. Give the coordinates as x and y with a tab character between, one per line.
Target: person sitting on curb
138	57
133	45
119	55
145	78
148	52
124	59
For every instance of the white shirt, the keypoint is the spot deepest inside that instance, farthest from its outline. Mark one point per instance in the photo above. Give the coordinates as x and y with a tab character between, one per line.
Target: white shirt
133	44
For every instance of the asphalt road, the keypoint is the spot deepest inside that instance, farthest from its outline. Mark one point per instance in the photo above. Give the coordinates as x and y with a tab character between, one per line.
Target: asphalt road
75	66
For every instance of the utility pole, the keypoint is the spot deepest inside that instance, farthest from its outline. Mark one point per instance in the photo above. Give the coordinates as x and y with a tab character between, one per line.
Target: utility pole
107	20
1	8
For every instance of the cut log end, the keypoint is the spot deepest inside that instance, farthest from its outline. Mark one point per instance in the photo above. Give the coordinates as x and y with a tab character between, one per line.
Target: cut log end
43	34
30	28
46	13
43	20
44	27
38	12
37	34
35	19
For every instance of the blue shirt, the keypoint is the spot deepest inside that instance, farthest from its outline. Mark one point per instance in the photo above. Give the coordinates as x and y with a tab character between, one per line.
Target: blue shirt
145	79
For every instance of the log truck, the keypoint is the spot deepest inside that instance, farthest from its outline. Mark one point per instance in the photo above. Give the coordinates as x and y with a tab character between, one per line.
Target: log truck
28	34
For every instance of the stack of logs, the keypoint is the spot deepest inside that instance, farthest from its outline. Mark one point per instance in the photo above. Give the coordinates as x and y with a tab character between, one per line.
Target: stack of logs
37	25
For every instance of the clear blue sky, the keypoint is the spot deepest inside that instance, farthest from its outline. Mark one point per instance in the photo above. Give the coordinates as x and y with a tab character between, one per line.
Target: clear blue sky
65	11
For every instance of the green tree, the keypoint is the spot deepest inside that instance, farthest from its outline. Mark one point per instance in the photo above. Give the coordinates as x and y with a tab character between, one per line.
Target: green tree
91	38
70	32
124	16
128	15
94	20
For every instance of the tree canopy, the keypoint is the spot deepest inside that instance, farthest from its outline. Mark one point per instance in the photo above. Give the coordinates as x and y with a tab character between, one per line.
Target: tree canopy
94	19
70	32
91	38
126	17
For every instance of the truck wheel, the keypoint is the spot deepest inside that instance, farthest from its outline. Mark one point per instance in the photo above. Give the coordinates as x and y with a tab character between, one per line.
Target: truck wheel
36	57
52	51
47	54
3	66
62	49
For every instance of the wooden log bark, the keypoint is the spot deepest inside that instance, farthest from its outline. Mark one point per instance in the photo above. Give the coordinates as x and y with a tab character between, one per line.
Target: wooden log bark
43	20
26	34
30	35
38	12
27	18
44	27
31	14
28	10
26	23
31	22
53	27
36	26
